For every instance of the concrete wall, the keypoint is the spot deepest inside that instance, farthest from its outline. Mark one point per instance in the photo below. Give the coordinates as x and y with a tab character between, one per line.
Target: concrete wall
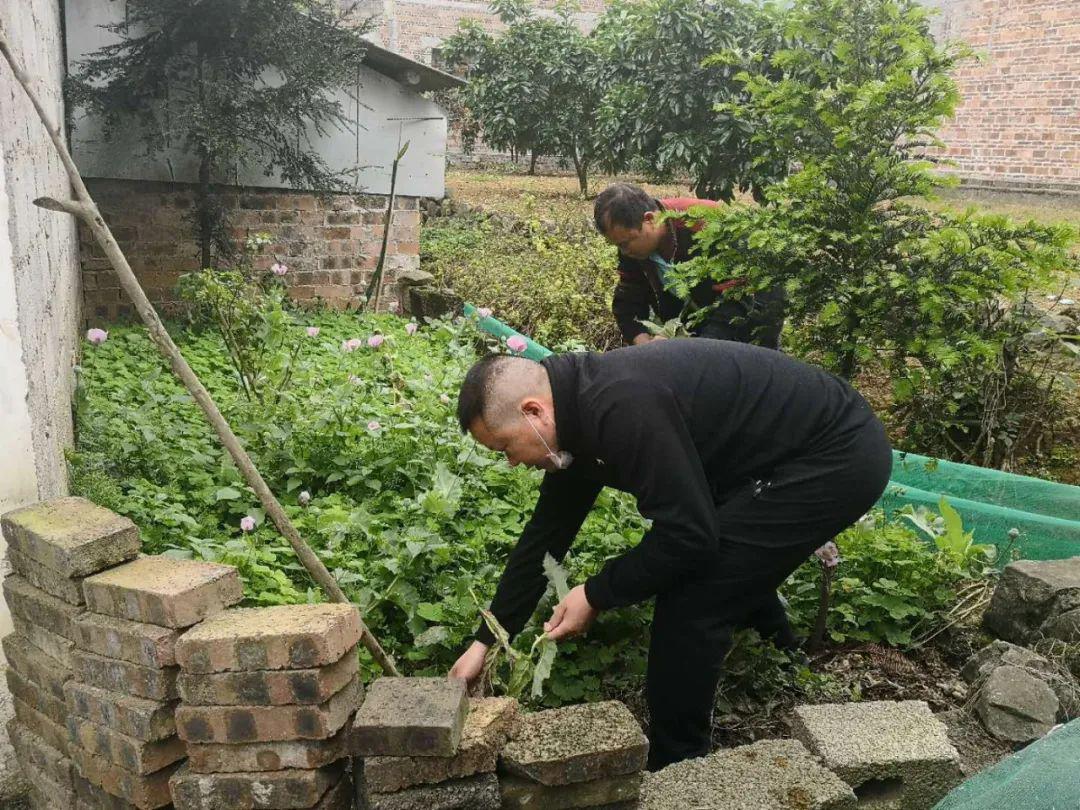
377	129
39	290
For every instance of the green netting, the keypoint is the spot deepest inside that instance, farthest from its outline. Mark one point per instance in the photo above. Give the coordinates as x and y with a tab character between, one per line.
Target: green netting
992	503
1044	776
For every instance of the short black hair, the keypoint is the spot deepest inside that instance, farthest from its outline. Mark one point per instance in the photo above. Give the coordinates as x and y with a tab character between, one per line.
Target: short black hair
622	204
472	398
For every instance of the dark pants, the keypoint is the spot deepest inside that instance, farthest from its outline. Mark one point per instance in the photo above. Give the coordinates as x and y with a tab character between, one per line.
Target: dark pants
758	319
767	529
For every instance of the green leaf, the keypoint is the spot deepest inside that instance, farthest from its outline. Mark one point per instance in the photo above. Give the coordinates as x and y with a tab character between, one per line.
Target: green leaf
228	494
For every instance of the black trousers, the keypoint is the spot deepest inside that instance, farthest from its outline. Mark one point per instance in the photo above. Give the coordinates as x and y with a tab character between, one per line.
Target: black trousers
768	527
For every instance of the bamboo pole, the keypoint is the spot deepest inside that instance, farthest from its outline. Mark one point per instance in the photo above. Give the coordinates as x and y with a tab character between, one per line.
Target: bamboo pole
85	209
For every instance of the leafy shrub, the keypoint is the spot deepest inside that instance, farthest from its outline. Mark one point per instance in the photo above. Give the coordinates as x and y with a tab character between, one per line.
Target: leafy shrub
555	287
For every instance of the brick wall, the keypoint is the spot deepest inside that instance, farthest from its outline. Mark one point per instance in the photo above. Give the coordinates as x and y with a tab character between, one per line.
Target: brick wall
330	244
1018	123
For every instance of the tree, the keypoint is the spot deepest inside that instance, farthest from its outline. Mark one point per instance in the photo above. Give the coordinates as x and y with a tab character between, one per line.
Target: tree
872	276
529	88
661	80
235	83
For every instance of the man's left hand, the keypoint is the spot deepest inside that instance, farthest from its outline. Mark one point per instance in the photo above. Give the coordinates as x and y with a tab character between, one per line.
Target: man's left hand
571	617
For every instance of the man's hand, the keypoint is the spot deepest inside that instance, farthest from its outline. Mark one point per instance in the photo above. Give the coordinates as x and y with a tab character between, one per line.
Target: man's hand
471	663
644	337
571	616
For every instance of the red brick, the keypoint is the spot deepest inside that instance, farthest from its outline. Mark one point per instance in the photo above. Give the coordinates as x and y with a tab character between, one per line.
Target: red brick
268	789
91	797
123	676
33	695
283	637
411	717
164	591
146	792
133	716
47	641
34	665
242	724
138	756
49	730
36	756
268	756
68	589
274	687
72	536
148	645
39	607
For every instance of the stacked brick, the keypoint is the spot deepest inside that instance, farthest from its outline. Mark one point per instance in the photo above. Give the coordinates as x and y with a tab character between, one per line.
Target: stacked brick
267	695
591	755
52	547
121	702
425	746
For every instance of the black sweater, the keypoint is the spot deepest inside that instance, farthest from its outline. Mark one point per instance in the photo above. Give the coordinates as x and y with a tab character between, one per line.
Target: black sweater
676	423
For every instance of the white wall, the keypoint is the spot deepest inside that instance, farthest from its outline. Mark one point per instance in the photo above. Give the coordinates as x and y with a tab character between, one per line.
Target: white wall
371	146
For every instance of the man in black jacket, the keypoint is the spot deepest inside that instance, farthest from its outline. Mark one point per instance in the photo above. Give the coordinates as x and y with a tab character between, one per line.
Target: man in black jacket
744	459
649	244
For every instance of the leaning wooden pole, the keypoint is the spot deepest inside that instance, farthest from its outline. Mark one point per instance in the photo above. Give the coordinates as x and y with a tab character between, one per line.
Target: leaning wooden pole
85	209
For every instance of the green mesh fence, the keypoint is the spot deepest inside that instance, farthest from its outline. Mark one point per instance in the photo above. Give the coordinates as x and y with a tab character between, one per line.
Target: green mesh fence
1045	515
1044	776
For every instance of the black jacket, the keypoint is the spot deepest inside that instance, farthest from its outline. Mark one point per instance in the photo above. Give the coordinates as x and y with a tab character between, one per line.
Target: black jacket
678	424
749	319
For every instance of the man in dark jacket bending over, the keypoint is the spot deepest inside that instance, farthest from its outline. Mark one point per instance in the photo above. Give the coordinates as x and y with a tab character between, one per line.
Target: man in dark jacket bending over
744	459
649	244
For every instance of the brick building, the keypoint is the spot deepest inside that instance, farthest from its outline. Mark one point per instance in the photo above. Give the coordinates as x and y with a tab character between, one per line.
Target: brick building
1018	125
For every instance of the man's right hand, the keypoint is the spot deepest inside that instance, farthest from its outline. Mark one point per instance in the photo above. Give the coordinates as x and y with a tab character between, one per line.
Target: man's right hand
471	663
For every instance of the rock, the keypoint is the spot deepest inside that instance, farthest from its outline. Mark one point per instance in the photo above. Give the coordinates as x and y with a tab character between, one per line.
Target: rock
1030	594
980	666
415	278
1015	705
1064	626
577	744
429	302
767	775
895	753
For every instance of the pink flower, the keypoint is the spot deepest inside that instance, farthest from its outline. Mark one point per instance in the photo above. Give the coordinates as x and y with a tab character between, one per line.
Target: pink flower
247	523
393	307
304	498
312	331
516	344
483	312
373	426
410	328
375	341
351	344
444	399
97	336
829	555
278	269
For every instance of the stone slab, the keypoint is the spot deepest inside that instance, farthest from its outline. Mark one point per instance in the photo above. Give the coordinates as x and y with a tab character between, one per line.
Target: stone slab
280	637
33	695
164	591
897	746
247	791
36	756
1015	705
268	756
48	729
52	582
45	794
767	775
479	792
577	744
491	721
1031	593
35	666
39	607
418	717
72	536
138	756
525	794
123	676
54	646
145	792
148	645
243	724
133	716
268	687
